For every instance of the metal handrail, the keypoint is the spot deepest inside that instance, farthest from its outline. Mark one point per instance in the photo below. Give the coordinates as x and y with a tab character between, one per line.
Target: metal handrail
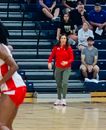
38	42
38	26
23	11
23	14
8	8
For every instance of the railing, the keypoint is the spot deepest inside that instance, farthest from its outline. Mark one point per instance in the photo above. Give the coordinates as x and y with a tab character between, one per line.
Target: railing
38	26
8	9
24	11
8	4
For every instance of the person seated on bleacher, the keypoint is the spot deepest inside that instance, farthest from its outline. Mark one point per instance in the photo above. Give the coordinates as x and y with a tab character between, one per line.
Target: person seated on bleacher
97	19
83	34
79	16
49	9
89	58
67	27
69	5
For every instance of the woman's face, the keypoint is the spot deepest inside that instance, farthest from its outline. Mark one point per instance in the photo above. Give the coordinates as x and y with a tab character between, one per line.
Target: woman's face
63	40
85	26
66	17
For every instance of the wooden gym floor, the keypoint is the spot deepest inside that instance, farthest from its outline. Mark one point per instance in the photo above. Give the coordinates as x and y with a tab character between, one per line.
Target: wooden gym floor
76	116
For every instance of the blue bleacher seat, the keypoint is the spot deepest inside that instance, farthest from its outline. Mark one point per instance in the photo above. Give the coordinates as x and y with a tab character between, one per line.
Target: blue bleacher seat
95	87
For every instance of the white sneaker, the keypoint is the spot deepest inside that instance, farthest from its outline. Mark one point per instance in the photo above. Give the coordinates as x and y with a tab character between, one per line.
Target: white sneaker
56	18
87	80
57	102
63	102
95	80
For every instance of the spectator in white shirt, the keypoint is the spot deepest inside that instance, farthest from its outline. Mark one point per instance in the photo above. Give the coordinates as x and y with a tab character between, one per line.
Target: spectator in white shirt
83	34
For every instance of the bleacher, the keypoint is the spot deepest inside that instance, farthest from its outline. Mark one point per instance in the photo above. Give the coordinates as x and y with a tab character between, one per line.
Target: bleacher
32	43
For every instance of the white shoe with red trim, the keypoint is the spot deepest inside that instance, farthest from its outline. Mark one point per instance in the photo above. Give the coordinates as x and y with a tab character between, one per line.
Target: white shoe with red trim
63	102
57	102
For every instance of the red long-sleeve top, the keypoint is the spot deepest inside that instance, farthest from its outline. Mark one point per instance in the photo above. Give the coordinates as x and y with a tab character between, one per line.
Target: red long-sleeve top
61	54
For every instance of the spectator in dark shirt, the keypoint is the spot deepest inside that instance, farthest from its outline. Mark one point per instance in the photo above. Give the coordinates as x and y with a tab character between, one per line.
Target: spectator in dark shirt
67	27
70	4
97	19
48	7
79	16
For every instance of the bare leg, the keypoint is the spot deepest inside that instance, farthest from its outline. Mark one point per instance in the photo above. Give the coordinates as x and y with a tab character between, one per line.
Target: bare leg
10	122
47	13
56	12
84	71
84	74
80	47
95	71
4	128
7	107
73	37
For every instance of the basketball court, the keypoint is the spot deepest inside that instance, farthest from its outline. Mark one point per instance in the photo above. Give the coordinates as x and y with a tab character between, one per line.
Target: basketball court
42	115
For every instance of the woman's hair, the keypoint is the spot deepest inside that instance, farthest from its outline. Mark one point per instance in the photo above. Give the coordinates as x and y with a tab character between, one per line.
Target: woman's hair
86	23
3	40
59	42
3	34
64	15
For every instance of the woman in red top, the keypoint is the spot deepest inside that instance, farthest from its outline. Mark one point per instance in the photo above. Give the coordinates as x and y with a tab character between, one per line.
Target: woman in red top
63	55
